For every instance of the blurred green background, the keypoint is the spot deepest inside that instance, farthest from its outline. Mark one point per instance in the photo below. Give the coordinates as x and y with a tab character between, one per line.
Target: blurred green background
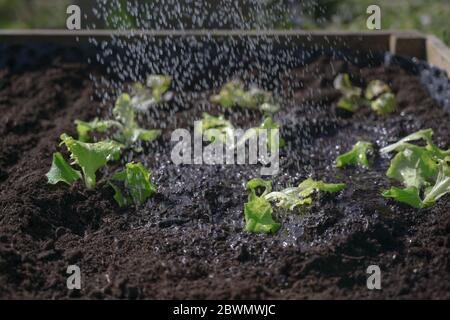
429	16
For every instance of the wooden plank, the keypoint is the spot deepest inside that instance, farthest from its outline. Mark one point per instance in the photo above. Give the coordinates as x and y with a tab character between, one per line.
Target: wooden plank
368	41
408	44
438	54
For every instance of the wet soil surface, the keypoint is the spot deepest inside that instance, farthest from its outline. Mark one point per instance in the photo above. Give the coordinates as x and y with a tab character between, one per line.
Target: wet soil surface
188	240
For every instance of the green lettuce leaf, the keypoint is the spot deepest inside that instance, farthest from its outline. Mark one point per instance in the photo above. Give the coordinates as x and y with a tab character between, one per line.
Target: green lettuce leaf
258	216
258	210
159	85
269	107
343	83
384	104
91	156
61	171
254	185
85	128
309	186
375	89
130	132
441	187
233	94
137	185
290	198
141	97
350	103
124	112
356	156
413	167
409	196
426	134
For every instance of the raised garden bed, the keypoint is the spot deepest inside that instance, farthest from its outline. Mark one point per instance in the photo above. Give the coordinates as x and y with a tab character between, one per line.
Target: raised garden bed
188	241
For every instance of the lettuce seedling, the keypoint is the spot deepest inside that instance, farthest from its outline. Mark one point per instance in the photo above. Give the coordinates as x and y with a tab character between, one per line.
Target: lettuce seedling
384	104
258	217
377	94
136	185
258	211
351	96
356	156
159	84
85	128
411	195
343	83
127	130
233	94
144	96
350	103
375	89
422	170
91	156
290	198
413	167
61	171
382	100
130	132
218	123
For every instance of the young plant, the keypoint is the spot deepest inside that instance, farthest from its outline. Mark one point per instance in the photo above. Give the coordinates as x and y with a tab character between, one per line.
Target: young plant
233	94
411	195
127	130
425	134
219	123
422	170
356	156
377	94
413	167
159	84
375	89
135	185
145	96
381	98
130	132
290	198
85	128
351	96
384	104
258	211
88	156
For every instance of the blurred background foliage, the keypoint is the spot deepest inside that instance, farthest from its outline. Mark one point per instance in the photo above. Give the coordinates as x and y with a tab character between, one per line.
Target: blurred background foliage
429	16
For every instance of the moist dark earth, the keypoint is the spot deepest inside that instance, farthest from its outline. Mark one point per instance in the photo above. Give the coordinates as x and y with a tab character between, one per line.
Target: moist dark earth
188	241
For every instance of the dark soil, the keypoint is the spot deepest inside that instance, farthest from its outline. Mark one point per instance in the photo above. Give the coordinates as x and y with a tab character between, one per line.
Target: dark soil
188	240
